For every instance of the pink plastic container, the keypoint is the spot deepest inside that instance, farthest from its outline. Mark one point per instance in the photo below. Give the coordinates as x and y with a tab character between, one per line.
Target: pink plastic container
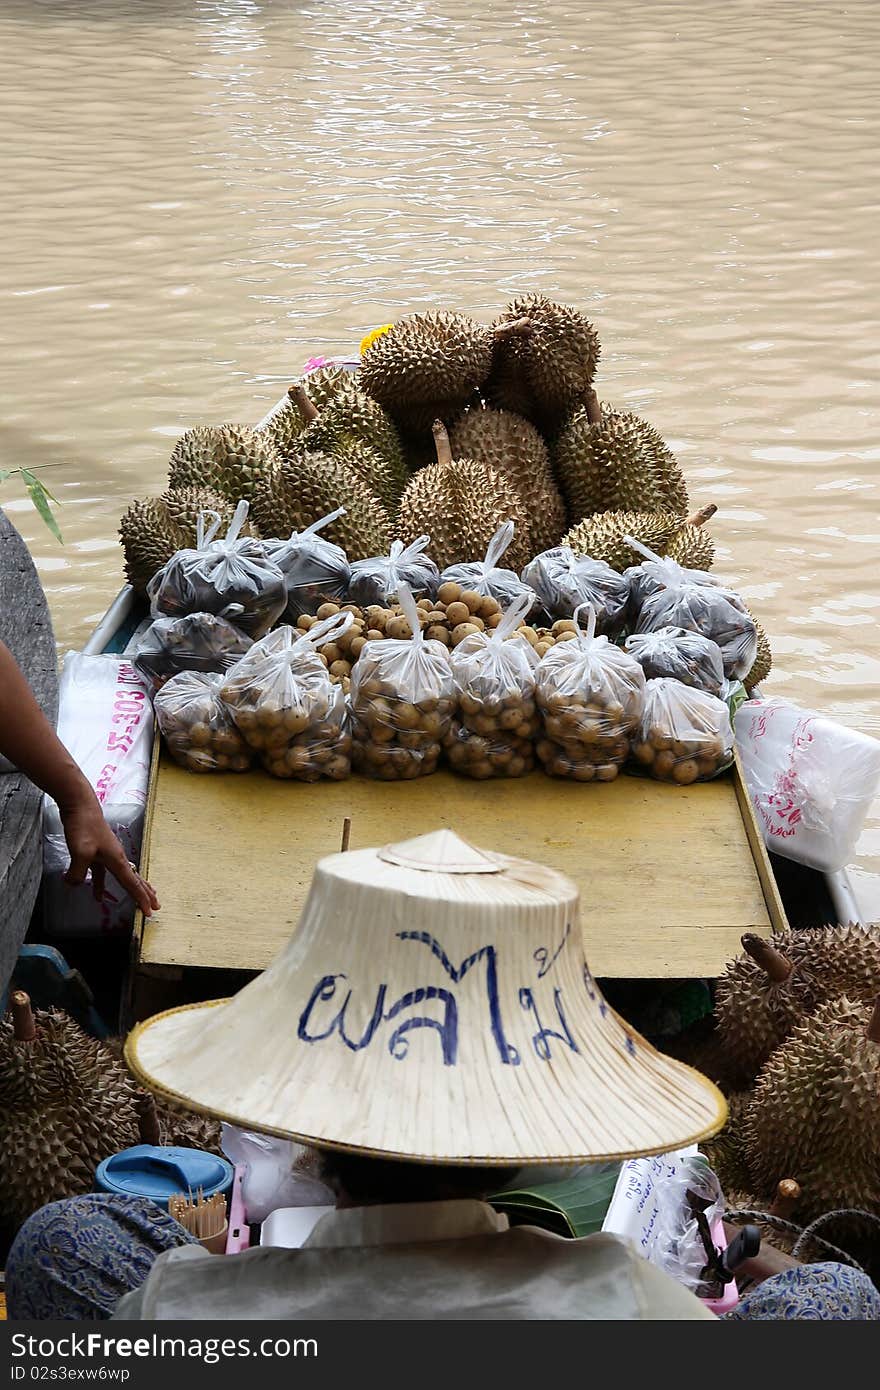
730	1298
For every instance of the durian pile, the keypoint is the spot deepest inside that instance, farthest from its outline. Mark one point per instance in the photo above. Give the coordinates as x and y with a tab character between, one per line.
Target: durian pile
798	1023
448	428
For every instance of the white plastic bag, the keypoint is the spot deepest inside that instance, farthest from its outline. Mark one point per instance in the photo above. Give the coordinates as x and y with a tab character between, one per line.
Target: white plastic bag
197	728
315	570
590	694
484	577
684	656
275	1173
219	573
497	717
650	1208
402	701
564	581
376	579
811	780
286	707
196	642
105	721
684	734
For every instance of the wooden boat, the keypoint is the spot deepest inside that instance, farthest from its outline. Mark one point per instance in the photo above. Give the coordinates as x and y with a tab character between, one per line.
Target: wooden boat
26	628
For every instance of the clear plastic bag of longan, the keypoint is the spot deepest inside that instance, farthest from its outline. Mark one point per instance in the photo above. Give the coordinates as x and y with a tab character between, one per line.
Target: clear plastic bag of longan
671	596
684	736
197	728
315	570
196	642
402	702
680	655
285	706
590	695
484	577
565	581
378	579
497	717
218	573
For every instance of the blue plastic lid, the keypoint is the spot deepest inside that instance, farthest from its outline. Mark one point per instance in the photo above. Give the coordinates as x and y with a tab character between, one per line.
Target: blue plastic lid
151	1170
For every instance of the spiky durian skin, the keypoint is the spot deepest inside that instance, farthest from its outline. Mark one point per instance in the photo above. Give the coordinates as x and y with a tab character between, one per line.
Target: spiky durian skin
287	425
66	1103
692	547
602	536
231	459
725	1150
615	465
512	447
352	418
184	505
547	372
308	486
814	1113
149	539
763	663
426	366
460	505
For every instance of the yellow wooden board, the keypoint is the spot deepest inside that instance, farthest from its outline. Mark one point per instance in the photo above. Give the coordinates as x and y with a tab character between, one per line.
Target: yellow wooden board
670	877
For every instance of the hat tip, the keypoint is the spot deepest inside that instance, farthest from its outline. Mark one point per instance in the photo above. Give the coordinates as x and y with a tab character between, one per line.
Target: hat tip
440	851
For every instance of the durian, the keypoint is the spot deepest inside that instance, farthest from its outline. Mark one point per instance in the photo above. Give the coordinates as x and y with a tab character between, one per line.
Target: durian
763	662
692	547
286	424
543	373
427	365
66	1103
602	536
765	993
513	448
614	461
308	486
725	1150
354	429
815	1111
231	459
460	504
152	530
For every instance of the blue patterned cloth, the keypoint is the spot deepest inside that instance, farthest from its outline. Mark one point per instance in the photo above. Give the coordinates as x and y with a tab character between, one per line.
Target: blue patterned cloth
828	1292
74	1260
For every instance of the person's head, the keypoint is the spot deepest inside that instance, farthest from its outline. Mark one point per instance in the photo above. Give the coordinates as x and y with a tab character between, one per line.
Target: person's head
359	1180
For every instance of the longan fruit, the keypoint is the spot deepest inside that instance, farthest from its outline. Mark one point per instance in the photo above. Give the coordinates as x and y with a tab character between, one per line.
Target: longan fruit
664	762
458	613
529	634
340	669
462	631
398	629
425	604
327	610
449	592
374	635
356	646
685	772
472	599
489	607
332	652
199	735
563	625
435	633
493	620
542	648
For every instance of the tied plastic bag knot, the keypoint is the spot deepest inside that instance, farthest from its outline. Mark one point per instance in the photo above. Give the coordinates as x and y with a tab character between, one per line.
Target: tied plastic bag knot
486	578
315	569
564	580
378	579
685	656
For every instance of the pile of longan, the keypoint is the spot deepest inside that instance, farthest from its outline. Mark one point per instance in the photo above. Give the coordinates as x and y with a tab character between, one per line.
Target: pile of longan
401	708
685	735
287	723
588	728
196	727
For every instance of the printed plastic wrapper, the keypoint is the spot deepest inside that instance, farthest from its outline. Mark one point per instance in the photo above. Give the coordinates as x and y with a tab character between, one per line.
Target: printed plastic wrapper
681	655
811	780
196	642
497	717
402	702
284	704
663	594
215	574
685	734
484	576
277	1173
197	728
378	580
315	570
590	694
653	1208
565	581
105	721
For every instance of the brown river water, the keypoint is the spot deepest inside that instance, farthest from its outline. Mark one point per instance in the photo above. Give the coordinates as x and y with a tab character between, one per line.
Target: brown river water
199	194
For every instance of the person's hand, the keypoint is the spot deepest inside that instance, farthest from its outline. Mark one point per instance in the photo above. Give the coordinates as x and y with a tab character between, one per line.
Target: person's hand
93	845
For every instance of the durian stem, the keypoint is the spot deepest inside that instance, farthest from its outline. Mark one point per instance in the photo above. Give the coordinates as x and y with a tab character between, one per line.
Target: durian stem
346	834
303	402
702	516
148	1119
874	1026
788	1194
516	328
24	1025
777	966
441	442
593	407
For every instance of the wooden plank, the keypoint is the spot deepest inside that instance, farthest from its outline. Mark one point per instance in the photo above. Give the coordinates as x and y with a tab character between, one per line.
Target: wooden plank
769	886
667	876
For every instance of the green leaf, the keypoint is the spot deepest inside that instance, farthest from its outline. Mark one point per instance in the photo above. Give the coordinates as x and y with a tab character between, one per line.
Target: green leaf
37	482
4	474
40	500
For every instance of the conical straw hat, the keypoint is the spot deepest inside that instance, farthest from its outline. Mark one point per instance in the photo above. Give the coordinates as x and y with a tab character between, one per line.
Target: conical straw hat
433	1004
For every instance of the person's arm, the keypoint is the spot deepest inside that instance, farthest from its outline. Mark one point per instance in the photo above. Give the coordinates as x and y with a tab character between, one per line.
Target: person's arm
28	740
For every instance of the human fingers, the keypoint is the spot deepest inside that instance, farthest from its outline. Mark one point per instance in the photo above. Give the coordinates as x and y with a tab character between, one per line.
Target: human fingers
79	866
128	877
98	879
